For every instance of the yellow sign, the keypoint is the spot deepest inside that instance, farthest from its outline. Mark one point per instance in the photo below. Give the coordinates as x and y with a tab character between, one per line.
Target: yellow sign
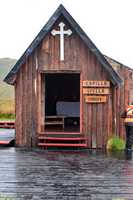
88	83
96	91
95	99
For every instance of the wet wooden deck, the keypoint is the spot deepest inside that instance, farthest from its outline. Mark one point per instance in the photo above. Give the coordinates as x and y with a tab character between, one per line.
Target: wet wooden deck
66	175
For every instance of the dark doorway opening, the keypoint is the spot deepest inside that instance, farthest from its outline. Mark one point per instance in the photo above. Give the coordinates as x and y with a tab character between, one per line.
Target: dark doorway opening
62	102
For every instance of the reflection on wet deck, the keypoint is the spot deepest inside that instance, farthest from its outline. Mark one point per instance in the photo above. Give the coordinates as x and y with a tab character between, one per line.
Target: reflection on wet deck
65	175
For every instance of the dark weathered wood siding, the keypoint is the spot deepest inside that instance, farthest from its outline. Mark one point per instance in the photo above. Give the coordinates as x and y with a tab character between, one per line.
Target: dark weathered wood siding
26	104
96	119
124	95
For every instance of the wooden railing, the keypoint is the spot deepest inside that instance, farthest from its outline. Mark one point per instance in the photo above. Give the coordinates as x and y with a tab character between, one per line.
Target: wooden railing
7	124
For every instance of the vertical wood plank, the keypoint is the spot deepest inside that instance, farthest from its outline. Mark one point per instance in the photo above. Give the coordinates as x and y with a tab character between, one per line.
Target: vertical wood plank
42	101
29	104
39	129
81	104
18	109
34	98
99	126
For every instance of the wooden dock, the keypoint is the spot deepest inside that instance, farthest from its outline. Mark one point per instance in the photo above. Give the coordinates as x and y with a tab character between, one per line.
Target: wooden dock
64	175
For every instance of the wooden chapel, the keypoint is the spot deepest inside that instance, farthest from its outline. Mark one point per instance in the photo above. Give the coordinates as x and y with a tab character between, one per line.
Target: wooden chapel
67	93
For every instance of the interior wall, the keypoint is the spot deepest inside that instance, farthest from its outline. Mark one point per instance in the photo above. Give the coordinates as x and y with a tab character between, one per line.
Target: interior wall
61	87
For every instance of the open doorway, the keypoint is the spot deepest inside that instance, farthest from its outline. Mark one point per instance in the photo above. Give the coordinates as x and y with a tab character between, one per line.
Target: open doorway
62	102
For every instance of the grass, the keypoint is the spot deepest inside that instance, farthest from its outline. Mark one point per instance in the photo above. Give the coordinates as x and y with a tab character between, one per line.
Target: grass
4	116
7	106
6	91
115	144
7	110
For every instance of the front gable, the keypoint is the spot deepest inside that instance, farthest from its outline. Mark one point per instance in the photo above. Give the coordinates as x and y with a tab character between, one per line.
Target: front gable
78	57
49	50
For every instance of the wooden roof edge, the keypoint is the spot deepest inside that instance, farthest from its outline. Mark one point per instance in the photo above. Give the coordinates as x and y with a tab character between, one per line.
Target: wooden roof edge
115	78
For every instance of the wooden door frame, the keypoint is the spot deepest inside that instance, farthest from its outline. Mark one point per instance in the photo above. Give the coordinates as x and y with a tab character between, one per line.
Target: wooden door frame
42	76
81	103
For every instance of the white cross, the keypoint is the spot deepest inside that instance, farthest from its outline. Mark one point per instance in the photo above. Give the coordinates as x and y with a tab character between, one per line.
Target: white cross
61	32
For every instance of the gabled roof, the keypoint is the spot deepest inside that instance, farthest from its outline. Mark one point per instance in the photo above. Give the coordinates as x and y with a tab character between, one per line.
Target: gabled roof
114	77
115	64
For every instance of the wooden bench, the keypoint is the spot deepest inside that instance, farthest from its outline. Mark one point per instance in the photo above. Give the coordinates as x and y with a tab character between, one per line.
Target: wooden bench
54	120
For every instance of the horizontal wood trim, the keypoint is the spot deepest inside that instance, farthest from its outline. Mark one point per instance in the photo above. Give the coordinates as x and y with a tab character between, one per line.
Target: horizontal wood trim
62	138
59	71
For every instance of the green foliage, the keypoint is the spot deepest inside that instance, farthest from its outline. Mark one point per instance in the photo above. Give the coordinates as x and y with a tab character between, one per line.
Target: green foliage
4	116
6	198
115	144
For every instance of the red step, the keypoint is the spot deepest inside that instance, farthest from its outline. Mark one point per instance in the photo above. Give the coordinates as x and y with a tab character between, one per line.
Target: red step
7	124
60	138
61	145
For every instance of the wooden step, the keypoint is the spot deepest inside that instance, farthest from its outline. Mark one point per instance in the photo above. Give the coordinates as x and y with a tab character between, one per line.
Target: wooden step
60	133
61	138
61	145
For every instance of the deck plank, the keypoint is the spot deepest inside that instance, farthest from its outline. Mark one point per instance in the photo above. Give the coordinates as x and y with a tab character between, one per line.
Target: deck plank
62	175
